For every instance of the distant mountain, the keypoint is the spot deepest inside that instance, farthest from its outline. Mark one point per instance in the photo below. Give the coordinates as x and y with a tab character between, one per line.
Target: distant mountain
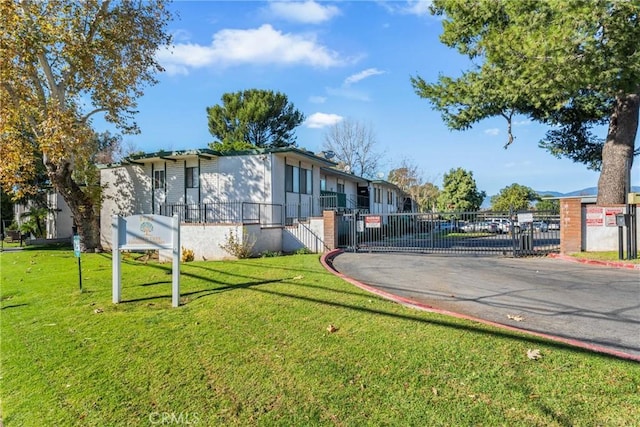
550	193
589	191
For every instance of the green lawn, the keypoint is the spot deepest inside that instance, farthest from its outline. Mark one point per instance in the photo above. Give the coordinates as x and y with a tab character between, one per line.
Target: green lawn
605	256
250	346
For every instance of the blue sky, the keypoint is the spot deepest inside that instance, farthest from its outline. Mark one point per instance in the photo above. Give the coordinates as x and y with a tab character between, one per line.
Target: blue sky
336	60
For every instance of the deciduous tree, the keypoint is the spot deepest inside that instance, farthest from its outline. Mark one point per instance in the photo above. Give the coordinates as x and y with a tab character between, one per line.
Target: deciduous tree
571	65
515	196
355	147
408	178
62	62
253	118
460	192
548	205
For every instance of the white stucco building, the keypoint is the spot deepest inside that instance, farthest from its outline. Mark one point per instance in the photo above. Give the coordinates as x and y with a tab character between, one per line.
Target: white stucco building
274	192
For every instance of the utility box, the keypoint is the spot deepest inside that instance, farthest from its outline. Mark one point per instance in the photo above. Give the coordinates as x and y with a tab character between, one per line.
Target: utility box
622	220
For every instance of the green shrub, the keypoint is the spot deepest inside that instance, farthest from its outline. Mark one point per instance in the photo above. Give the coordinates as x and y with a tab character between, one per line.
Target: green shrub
238	247
270	254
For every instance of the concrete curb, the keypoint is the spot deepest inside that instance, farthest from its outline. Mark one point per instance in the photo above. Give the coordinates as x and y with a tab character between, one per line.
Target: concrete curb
326	260
613	264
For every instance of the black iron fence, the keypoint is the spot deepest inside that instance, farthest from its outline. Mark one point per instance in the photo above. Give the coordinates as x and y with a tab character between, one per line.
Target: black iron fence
505	233
265	214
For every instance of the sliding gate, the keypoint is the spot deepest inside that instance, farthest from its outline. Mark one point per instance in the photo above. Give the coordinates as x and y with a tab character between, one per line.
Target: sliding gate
498	233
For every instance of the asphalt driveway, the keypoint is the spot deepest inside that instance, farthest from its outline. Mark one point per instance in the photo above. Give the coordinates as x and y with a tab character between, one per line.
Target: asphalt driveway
594	305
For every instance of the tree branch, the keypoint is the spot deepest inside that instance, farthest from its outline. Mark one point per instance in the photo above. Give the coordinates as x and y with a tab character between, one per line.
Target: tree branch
84	118
509	132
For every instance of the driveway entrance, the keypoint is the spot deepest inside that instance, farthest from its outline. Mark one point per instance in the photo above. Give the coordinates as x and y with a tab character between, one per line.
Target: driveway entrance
597	306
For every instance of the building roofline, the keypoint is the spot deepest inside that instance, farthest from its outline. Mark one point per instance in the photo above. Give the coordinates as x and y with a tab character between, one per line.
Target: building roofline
207	152
345	174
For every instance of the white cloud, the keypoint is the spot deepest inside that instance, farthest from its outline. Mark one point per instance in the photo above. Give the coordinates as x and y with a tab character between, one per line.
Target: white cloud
409	7
263	45
492	131
354	78
318	99
321	120
308	12
418	7
525	122
181	35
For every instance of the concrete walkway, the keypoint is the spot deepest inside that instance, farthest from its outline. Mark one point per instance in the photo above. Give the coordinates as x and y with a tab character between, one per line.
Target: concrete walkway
594	307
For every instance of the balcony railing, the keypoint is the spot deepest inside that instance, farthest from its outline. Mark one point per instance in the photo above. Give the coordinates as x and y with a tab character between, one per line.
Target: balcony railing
265	214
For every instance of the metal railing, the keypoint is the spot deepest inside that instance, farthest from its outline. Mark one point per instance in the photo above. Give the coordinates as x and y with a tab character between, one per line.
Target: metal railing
265	214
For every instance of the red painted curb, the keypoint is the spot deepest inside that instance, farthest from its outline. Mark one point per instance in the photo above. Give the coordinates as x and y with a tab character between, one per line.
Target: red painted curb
613	264
326	258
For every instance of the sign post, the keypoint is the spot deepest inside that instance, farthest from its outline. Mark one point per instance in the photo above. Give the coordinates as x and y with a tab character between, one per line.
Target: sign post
76	252
146	232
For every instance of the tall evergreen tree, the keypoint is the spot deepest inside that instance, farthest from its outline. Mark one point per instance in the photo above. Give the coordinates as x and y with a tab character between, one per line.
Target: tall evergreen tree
253	118
569	64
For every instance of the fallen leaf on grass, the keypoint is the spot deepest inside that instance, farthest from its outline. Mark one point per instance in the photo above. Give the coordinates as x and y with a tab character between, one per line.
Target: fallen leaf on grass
517	318
534	354
332	329
97	310
298	277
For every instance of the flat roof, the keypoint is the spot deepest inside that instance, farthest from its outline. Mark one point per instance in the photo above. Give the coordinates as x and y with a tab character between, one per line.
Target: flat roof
143	158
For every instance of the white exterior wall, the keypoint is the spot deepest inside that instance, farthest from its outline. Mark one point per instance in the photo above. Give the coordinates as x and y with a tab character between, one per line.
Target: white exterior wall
209	180
126	191
175	181
602	237
277	176
205	240
59	221
351	190
244	179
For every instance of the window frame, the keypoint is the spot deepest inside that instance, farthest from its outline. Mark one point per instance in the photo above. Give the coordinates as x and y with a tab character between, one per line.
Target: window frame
159	179
192	175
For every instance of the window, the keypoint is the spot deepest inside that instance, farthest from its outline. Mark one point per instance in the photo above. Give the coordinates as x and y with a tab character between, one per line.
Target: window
191	177
298	180
158	180
377	195
323	184
389	197
340	186
305	181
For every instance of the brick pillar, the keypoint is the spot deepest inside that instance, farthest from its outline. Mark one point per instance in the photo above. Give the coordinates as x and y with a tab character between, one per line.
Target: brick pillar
570	225
330	230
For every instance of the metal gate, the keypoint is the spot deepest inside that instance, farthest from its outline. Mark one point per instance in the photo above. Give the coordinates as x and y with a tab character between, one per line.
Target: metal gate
499	233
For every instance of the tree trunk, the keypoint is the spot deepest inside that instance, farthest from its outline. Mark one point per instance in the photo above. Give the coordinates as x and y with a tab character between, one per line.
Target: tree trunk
84	215
617	153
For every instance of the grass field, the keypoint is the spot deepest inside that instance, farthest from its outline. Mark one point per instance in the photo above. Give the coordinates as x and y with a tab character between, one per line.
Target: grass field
605	256
250	345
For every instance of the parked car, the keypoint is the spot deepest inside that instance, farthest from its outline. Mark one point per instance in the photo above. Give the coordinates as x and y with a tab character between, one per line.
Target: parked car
554	225
540	226
503	224
480	227
448	226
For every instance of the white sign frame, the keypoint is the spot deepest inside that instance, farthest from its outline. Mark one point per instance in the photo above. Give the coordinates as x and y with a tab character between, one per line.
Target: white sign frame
145	232
525	217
